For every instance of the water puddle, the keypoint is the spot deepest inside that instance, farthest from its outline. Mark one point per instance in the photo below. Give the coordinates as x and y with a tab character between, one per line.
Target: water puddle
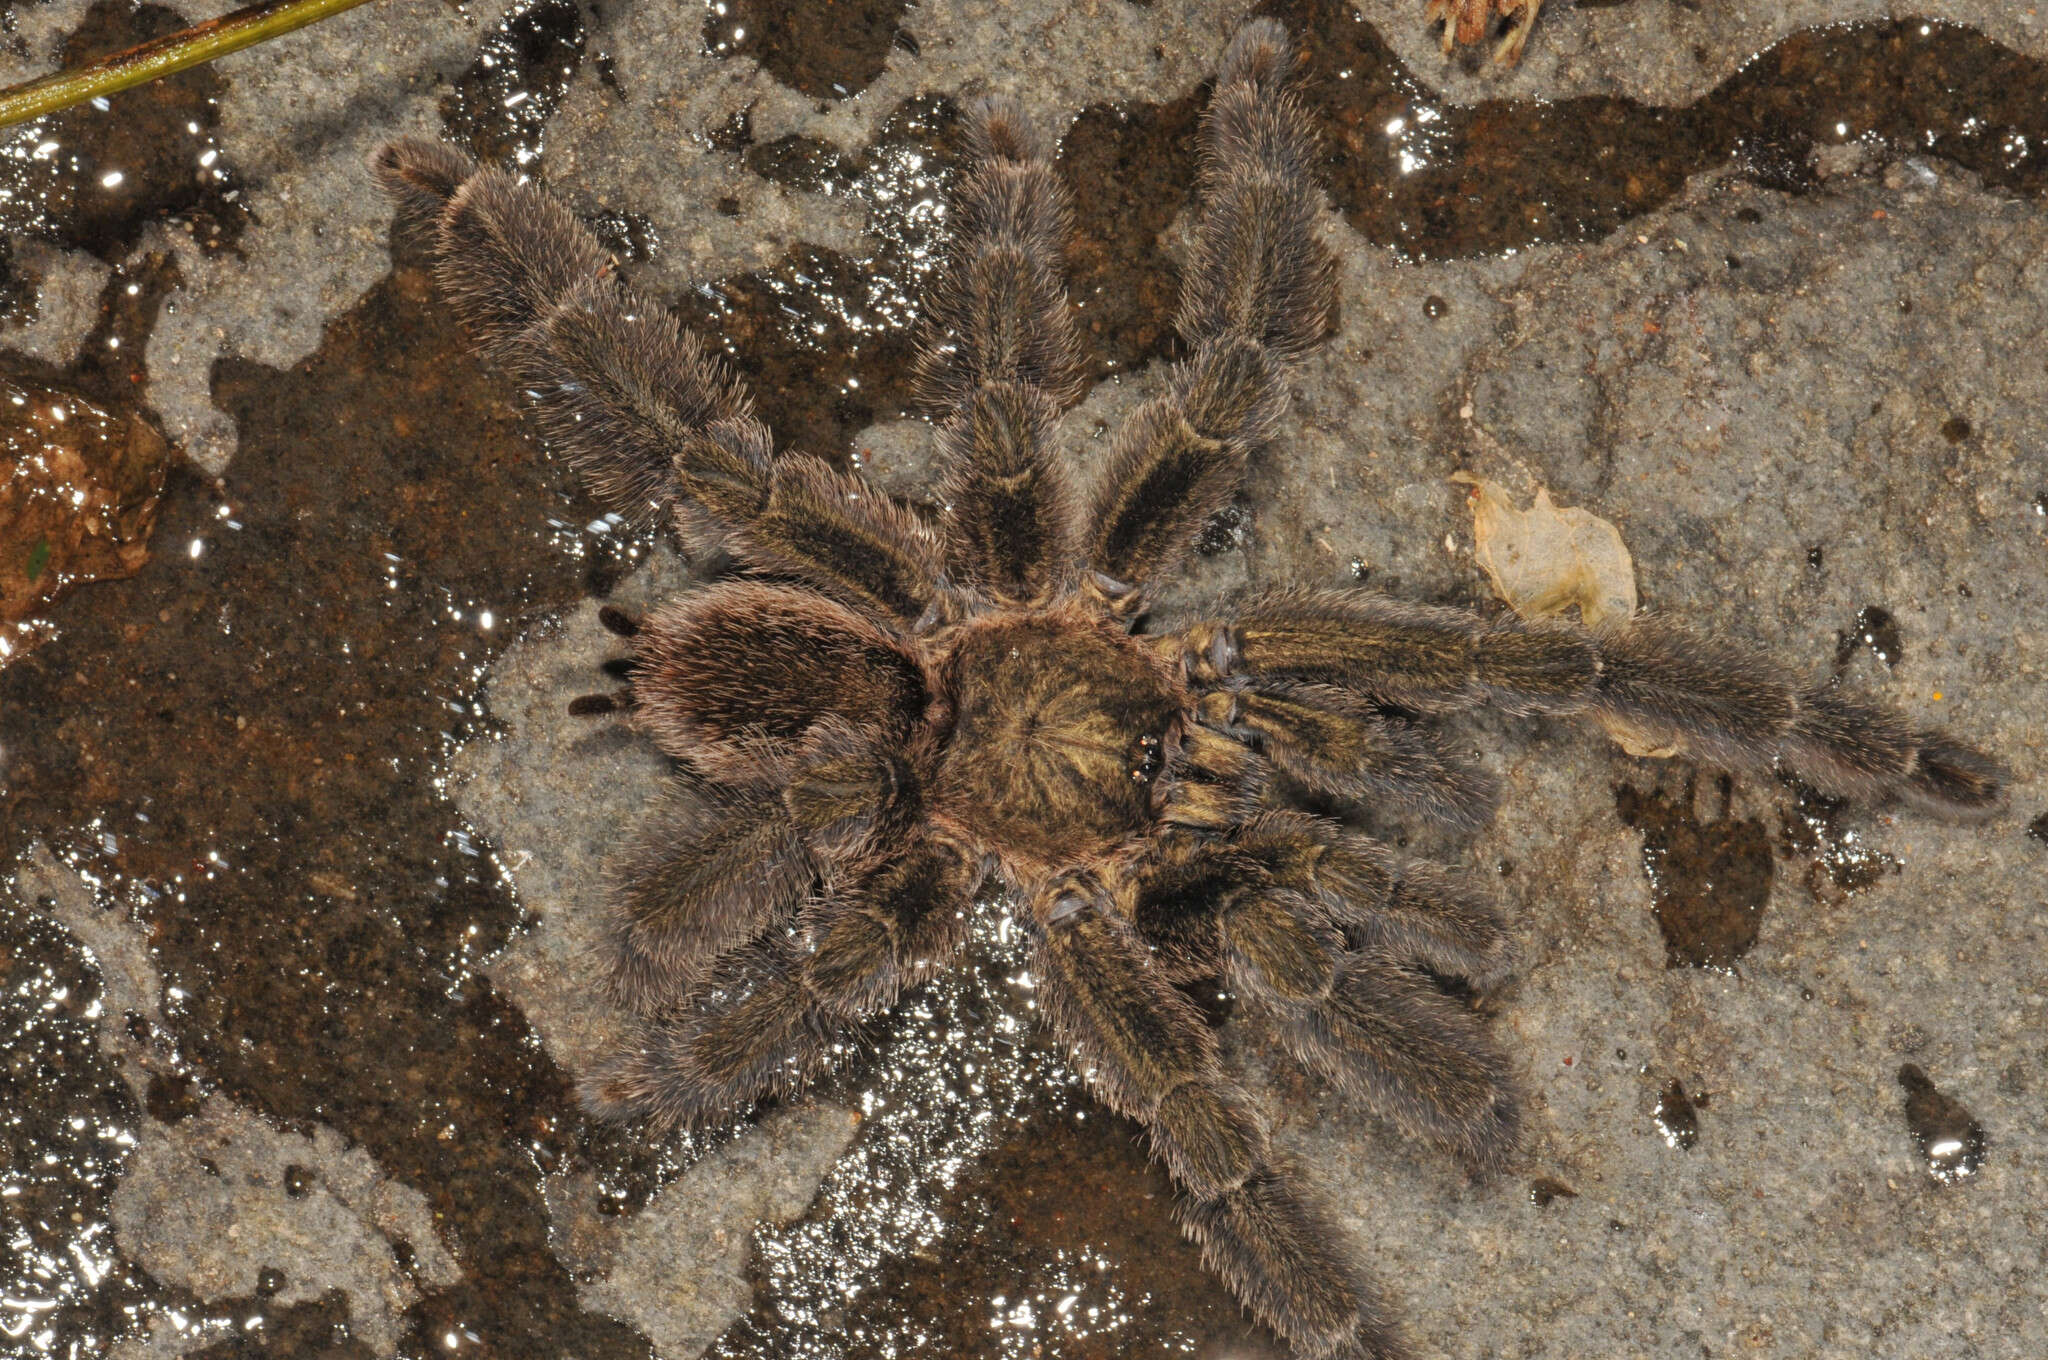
1678	1117
826	51
1131	171
988	1207
68	1125
92	177
1951	1141
249	761
1876	629
500	107
1710	878
827	341
1445	181
1839	860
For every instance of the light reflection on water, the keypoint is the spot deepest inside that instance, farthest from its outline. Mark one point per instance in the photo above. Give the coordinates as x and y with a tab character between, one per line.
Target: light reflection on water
961	1072
67	1126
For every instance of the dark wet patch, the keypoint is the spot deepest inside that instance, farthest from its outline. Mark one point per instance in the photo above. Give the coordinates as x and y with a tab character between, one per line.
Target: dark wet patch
827	49
67	1124
988	1206
1225	531
1955	429
92	177
1815	557
1709	879
631	236
1067	1246
2038	828
1439	180
500	106
1839	860
1875	628
1545	1190
276	700
1130	170
826	341
1951	1141
808	163
173	1097
1678	1118
258	1330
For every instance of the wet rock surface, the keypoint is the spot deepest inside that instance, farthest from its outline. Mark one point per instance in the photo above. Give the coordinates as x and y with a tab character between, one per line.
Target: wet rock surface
303	847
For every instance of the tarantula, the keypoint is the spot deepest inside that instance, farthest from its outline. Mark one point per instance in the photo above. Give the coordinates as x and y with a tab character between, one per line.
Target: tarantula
879	711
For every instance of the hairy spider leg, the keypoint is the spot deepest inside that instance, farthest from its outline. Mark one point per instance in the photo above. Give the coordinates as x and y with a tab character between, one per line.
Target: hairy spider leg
1147	1052
1258	291
643	408
775	1013
1662	682
708	870
715	867
1349	993
999	362
1409	909
1338	743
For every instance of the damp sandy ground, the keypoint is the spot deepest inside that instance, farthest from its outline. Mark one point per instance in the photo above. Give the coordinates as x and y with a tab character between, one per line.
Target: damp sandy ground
302	849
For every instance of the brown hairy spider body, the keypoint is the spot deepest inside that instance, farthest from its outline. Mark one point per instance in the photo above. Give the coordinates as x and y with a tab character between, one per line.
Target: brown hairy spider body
877	713
1466	23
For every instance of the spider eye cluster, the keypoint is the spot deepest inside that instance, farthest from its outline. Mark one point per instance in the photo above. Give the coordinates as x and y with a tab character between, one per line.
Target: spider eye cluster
1148	756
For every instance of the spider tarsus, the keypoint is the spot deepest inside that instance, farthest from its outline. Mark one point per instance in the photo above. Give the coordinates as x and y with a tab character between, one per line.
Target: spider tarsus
618	621
592	706
1280	1253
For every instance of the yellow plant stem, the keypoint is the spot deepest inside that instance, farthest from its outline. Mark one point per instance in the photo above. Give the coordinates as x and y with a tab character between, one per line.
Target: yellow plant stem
164	56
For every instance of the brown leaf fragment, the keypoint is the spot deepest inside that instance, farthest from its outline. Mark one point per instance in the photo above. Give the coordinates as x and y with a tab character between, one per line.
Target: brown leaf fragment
79	486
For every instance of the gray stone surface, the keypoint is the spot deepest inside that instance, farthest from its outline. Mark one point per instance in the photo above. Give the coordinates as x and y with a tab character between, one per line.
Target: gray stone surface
556	794
677	1271
214	1200
209	1202
67	301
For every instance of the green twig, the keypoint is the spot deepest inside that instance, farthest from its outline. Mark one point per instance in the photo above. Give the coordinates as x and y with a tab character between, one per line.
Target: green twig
163	56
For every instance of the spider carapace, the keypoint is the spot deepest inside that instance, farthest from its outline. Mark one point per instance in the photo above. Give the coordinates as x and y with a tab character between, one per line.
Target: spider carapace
878	711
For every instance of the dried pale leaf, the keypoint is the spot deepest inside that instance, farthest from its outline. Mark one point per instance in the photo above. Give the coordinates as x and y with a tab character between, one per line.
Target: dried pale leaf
1545	560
